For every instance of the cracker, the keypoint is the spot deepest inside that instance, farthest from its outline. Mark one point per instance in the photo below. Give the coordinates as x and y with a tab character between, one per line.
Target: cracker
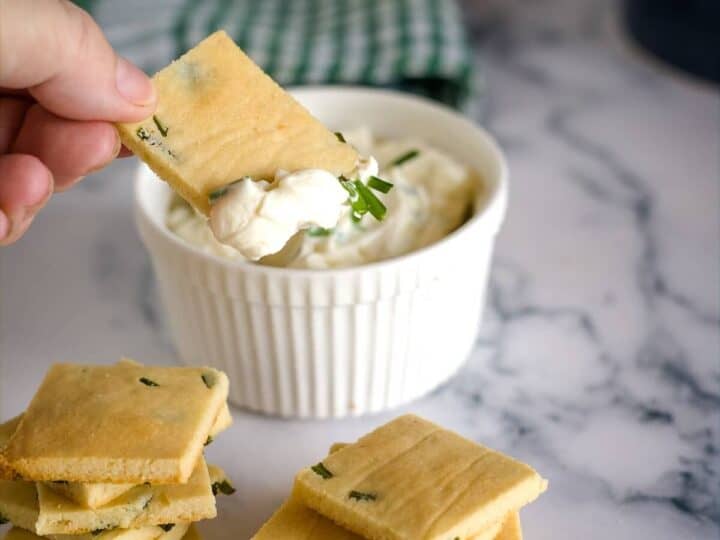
58	515
95	495
165	504
192	501
219	118
295	521
411	479
6	431
18	503
117	424
89	495
511	529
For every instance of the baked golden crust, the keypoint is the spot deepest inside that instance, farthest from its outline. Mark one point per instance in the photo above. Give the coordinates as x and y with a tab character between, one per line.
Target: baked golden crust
125	424
95	495
411	479
47	513
219	118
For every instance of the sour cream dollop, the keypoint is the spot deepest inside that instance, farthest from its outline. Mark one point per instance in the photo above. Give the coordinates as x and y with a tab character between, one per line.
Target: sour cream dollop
431	197
257	218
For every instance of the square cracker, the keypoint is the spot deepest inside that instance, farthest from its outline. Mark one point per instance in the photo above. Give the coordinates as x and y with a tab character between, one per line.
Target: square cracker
58	515
143	507
219	118
18	503
295	521
421	482
117	424
511	528
95	495
187	502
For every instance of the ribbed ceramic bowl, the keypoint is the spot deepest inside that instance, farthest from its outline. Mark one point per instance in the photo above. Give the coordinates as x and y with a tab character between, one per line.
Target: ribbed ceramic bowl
331	343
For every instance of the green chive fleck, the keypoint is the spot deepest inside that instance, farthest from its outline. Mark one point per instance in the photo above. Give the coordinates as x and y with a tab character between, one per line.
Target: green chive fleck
219	192
379	184
340	137
405	157
360	496
167	527
162	129
3	520
319	231
208	379
321	470
223	487
374	206
147	503
148	382
215	195
142	134
208	440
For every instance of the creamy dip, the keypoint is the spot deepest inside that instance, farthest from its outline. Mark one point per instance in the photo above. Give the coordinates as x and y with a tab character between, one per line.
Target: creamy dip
431	197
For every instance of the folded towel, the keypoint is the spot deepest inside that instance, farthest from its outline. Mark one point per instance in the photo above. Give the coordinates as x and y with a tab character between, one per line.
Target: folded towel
413	45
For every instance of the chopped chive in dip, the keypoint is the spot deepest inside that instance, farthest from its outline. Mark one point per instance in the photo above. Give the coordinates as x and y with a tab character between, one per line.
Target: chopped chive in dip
3	520
405	157
319	231
374	206
223	487
379	184
208	440
142	134
219	192
162	129
321	470
208	379
147	503
360	496
148	382
216	194
340	137
167	527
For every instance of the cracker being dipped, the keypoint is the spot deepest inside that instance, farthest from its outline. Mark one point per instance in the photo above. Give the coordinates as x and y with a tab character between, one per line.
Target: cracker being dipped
220	118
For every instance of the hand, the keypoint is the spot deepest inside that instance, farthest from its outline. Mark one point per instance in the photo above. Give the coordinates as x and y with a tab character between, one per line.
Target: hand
61	86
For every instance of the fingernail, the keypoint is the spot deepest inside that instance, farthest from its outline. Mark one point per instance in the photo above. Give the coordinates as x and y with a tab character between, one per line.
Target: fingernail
4	225
133	84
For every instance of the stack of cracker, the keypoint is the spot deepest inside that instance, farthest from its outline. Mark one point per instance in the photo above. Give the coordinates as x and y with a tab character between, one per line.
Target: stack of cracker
407	480
114	453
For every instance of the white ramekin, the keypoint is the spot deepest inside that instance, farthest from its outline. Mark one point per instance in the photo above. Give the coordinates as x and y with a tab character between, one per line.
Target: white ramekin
331	343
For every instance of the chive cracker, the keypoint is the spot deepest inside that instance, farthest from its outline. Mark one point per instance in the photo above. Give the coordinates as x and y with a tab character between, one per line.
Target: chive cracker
129	433
295	521
219	118
421	482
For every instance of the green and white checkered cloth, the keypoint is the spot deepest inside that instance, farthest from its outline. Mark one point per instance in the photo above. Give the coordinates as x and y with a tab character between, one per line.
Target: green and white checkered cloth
414	45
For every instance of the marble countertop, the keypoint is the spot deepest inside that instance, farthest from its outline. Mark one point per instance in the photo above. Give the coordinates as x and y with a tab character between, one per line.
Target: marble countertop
599	359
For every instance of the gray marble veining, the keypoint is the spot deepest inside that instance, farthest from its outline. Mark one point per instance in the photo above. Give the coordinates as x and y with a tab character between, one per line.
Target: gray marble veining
599	360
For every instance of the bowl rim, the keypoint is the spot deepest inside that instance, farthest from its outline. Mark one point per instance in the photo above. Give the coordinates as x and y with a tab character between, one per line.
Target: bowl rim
496	200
